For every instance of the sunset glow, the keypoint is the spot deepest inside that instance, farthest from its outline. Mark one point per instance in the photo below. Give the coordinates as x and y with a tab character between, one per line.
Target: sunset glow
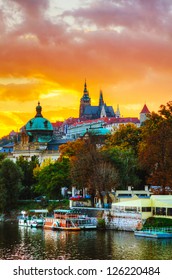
49	47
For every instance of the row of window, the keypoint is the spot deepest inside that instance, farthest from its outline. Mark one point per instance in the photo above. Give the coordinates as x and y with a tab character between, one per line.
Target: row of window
156	210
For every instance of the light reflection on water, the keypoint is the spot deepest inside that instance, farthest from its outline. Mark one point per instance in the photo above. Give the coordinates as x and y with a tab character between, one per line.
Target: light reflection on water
26	243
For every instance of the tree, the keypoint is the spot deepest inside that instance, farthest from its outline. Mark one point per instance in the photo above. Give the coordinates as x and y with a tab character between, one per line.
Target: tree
125	161
2	157
28	180
89	170
52	177
10	184
70	149
3	196
126	136
155	151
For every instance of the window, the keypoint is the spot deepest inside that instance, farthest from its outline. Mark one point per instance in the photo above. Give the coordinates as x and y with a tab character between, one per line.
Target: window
130	209
146	209
161	211
169	211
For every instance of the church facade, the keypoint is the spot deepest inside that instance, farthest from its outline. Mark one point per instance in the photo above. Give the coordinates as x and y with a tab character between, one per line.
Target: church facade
35	137
89	112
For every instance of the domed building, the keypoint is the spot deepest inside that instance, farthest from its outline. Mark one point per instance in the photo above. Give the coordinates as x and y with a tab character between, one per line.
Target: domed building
35	136
38	128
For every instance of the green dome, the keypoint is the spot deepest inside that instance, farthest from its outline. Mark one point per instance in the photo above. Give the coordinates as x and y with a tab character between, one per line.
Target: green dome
38	128
39	123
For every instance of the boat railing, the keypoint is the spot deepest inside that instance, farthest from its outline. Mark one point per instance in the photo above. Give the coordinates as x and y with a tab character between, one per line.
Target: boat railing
157	229
65	216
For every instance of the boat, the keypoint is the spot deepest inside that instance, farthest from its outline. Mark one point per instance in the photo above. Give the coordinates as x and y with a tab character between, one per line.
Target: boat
154	233
68	220
33	218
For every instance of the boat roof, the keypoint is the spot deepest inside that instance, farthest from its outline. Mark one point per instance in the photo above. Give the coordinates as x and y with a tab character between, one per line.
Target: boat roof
63	211
67	211
39	211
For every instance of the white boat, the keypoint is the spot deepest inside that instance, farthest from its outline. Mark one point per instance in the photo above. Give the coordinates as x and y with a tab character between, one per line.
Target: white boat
35	218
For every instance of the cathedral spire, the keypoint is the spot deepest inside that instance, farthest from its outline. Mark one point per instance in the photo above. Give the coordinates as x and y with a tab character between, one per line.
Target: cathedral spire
85	86
101	101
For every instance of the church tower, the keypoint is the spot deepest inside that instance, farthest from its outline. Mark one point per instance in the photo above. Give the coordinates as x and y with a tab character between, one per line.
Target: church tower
144	114
85	101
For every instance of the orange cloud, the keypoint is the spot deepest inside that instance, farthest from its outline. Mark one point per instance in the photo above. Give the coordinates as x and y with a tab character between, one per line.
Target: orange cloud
48	48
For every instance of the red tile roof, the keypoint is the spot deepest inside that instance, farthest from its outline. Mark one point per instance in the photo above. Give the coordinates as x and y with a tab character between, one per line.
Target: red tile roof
107	120
57	124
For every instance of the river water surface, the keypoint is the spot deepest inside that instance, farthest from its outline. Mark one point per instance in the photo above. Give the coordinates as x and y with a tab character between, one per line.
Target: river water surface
37	244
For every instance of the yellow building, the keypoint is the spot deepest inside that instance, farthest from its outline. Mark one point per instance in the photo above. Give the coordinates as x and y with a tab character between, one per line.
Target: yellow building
131	214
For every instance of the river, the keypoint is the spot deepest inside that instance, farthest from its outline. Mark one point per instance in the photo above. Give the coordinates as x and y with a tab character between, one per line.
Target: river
37	244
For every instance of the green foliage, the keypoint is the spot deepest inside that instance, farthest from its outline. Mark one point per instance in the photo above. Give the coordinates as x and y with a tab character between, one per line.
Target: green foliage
101	223
50	205
51	178
157	222
126	136
61	204
28	179
27	205
3	195
10	184
2	157
126	163
121	148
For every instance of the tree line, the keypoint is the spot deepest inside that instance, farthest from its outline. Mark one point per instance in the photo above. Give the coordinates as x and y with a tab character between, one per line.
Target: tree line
129	156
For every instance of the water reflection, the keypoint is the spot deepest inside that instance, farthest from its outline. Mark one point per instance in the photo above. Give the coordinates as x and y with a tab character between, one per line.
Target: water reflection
26	243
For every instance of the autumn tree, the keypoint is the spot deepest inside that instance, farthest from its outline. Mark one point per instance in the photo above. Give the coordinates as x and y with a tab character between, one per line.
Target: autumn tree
70	148
90	170
156	148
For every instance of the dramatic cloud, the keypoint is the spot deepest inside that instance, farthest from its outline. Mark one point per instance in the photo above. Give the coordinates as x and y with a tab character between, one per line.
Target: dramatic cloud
48	48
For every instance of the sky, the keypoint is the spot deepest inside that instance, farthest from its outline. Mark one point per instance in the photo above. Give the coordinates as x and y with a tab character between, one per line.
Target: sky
49	47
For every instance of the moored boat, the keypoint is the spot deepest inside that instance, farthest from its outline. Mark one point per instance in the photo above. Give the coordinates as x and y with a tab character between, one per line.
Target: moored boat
35	218
154	233
68	220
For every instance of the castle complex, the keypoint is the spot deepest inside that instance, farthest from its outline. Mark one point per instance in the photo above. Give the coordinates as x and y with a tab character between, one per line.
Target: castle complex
39	135
89	112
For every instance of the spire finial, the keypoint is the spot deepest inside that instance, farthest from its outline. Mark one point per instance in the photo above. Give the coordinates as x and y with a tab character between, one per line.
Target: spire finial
38	111
85	86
